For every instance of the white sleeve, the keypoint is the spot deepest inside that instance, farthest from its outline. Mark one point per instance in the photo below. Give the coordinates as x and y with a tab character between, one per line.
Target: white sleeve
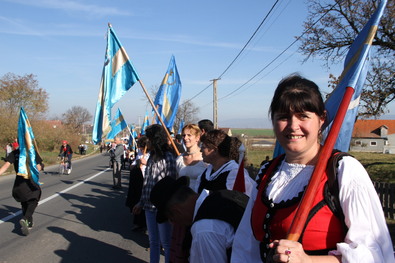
368	238
248	181
245	247
179	163
210	240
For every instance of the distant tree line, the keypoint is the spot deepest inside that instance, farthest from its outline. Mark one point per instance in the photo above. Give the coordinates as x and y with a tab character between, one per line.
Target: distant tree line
24	91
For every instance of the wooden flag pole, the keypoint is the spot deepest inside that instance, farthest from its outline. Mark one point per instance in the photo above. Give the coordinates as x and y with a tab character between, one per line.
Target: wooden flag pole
160	119
306	204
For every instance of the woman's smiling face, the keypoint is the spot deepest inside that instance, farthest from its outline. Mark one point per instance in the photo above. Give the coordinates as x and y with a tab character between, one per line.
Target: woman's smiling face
189	138
298	133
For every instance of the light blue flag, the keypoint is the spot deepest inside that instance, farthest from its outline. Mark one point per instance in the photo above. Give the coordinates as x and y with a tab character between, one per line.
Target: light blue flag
117	125
169	94
28	149
353	75
118	77
181	126
132	137
145	123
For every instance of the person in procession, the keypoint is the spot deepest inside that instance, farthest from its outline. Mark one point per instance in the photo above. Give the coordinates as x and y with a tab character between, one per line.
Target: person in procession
136	180
190	163
66	152
178	143
161	163
352	231
117	164
217	148
212	217
25	190
205	125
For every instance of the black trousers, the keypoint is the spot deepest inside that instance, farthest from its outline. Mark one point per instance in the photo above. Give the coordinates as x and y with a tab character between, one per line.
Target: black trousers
28	208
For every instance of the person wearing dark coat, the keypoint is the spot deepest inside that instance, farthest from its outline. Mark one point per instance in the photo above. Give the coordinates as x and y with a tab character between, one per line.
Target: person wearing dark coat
25	190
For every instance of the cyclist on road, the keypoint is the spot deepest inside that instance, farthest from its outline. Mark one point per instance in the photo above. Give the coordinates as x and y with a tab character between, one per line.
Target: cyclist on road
66	152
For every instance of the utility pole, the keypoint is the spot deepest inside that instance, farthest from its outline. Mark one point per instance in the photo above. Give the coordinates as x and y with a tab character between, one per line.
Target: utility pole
215	109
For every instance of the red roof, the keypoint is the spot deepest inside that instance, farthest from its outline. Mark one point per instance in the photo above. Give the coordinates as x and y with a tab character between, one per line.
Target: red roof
371	128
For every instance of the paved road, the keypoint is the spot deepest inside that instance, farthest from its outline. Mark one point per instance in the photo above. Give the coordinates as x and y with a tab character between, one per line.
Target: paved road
79	219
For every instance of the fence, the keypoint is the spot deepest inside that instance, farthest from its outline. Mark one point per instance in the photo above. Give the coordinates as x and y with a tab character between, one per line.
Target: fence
385	191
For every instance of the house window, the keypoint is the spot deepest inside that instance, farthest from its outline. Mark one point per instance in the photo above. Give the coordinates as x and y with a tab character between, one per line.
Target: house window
373	143
358	142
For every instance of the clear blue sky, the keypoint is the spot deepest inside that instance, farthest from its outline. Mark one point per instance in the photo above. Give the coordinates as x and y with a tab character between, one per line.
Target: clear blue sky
63	43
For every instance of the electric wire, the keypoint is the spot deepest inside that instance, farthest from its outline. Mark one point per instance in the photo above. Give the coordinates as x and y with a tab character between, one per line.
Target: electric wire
241	51
279	55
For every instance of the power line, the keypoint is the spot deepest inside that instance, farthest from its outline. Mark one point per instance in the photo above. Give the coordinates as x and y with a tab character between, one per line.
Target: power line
264	19
278	56
249	40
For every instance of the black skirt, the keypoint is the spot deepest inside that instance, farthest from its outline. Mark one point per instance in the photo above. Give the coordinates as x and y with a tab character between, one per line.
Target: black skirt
25	190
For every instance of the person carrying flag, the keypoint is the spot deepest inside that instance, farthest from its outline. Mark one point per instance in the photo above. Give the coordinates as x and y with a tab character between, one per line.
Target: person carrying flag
25	190
346	223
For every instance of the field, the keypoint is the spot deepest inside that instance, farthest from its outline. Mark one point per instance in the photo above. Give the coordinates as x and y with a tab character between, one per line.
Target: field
260	133
381	167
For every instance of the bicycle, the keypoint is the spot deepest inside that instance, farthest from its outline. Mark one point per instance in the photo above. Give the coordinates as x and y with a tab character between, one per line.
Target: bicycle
63	165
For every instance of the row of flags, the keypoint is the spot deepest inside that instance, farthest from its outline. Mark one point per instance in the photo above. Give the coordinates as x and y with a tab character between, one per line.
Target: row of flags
118	77
167	98
118	124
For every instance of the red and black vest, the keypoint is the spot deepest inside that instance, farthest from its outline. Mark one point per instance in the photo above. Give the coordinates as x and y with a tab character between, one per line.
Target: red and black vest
270	221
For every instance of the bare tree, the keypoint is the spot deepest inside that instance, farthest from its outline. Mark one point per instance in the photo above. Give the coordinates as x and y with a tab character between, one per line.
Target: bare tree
75	118
338	25
187	112
16	92
22	91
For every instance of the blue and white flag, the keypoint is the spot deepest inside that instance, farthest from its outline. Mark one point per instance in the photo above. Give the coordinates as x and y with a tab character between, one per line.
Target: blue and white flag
117	125
169	94
118	77
353	75
145	123
132	138
180	127
28	150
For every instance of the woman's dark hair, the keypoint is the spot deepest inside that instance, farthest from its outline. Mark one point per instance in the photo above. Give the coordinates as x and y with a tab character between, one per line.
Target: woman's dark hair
142	141
295	94
206	125
158	140
234	149
218	139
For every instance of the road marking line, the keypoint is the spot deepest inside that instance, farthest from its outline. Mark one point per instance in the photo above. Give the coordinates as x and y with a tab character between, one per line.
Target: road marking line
5	219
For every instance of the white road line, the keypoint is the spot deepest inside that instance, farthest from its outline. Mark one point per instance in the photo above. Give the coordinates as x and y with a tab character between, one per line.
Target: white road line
5	219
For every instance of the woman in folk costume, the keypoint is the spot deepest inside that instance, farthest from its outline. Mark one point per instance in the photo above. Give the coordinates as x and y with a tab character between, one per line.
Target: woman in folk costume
218	150
190	163
354	232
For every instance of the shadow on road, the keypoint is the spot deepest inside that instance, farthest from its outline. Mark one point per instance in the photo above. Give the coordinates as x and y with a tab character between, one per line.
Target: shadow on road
85	249
104	210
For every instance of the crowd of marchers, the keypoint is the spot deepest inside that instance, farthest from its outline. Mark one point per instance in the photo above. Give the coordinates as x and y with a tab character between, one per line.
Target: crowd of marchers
198	204
194	211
